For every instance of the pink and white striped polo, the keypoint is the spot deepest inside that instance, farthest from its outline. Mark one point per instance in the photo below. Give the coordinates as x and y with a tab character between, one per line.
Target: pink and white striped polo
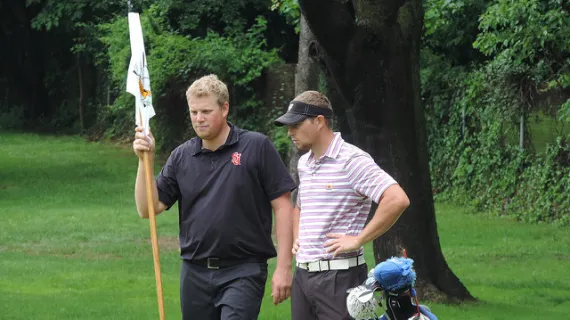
335	196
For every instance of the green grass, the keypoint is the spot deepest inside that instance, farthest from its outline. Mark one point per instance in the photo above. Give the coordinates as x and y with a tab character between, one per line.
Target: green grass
73	247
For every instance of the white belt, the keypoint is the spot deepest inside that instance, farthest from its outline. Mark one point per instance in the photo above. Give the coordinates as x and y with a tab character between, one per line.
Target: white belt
337	264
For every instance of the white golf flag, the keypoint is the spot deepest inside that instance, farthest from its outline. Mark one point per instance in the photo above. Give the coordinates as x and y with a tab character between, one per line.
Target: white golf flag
138	79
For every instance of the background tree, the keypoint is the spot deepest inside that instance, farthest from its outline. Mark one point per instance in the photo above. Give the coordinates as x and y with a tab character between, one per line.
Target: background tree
306	78
65	70
371	50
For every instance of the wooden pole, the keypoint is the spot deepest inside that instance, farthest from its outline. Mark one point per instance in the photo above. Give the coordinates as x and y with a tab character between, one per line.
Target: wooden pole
153	234
151	213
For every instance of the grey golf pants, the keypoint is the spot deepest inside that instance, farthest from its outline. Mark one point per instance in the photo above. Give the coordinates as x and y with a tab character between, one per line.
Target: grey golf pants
227	293
322	295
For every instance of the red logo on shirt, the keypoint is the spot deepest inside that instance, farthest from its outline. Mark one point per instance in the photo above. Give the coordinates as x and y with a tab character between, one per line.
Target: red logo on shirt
236	158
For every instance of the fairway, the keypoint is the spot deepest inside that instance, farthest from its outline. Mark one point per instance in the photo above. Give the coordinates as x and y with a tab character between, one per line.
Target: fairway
72	245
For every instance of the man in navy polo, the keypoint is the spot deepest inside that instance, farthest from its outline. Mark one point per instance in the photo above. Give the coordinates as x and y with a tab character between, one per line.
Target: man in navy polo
227	182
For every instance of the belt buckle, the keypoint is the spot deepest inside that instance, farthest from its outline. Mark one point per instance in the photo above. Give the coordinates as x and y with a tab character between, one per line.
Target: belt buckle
213	263
310	268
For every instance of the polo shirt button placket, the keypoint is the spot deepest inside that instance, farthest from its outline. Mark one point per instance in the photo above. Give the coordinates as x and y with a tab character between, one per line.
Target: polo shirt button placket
316	166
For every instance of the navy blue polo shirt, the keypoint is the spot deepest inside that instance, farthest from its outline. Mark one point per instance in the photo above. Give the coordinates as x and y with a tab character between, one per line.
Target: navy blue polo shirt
224	196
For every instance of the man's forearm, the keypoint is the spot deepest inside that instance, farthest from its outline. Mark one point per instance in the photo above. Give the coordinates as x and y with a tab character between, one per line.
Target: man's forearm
296	218
284	234
140	189
385	216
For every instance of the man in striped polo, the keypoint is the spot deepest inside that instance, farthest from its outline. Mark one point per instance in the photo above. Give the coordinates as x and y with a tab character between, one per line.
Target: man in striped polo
337	184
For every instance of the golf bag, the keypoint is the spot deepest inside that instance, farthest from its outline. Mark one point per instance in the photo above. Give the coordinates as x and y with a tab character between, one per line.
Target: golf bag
394	278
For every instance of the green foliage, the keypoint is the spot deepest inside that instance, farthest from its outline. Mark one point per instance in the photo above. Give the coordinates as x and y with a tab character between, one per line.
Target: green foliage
474	109
480	165
450	27
175	61
69	58
49	68
529	38
289	9
197	17
524	31
281	141
542	189
565	111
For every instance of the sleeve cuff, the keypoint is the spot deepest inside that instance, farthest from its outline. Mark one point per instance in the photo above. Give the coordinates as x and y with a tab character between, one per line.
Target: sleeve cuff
165	198
381	190
274	195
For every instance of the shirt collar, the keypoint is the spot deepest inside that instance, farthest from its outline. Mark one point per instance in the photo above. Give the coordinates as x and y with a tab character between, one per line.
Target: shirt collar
333	150
232	139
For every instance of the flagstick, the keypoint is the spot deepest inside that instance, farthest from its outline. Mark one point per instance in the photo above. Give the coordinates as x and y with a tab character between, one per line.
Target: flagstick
153	236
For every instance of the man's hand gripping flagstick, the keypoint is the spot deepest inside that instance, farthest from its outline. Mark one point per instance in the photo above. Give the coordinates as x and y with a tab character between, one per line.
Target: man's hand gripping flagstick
138	84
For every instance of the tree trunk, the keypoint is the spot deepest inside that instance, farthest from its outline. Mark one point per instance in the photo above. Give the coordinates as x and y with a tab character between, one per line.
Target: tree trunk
80	99
306	78
27	66
371	50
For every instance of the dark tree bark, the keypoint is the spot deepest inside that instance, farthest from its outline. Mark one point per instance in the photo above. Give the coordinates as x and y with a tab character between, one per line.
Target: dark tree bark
370	49
23	64
81	90
306	78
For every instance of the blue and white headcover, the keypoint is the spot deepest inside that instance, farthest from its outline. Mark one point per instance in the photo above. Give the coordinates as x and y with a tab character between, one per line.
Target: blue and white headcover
395	273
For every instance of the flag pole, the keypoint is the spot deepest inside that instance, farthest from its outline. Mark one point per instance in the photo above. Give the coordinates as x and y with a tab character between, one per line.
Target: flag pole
141	94
153	233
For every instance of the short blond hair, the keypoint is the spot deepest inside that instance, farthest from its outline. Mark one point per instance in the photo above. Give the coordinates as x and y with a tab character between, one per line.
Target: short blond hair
206	86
